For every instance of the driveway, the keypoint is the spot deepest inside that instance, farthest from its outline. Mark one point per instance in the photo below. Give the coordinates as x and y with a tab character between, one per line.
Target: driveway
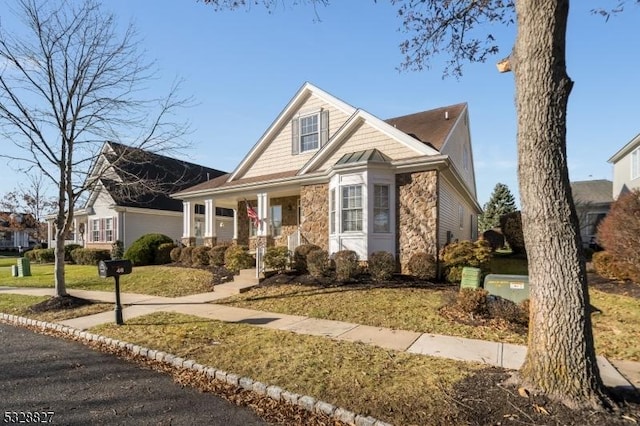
80	386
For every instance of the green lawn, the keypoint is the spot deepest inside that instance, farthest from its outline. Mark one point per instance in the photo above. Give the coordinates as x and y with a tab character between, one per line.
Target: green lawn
7	262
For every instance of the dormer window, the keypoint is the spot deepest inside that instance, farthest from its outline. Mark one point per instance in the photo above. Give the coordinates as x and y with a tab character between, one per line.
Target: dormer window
309	132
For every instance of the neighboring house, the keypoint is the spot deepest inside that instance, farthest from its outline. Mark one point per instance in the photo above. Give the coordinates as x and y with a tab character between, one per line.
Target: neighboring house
131	198
17	230
329	174
626	168
593	200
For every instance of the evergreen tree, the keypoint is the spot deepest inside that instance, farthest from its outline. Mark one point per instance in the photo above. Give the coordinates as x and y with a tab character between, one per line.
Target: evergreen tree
500	203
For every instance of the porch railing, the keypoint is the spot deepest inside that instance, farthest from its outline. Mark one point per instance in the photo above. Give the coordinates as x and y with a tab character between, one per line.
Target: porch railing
293	240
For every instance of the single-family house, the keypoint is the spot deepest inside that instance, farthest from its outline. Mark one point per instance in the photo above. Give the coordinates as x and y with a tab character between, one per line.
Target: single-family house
626	167
330	174
131	197
593	200
17	231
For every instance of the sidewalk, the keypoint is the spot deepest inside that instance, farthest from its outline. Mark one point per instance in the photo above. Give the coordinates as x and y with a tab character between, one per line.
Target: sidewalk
614	373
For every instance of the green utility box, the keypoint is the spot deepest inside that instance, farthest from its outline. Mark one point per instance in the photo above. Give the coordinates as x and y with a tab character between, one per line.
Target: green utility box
510	287
24	267
470	277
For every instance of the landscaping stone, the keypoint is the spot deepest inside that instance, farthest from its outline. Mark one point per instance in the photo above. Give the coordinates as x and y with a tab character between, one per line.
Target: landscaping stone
290	397
274	392
307	402
221	375
246	383
232	379
345	415
324	408
365	421
260	388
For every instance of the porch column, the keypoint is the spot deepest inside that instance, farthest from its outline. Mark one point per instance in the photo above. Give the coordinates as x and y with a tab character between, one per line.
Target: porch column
188	239
235	225
210	232
263	214
75	230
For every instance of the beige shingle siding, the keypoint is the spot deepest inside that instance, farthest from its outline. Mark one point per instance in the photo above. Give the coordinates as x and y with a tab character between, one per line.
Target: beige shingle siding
449	214
455	147
366	137
277	157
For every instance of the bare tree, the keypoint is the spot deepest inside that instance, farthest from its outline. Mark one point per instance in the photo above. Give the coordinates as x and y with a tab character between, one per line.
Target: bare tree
561	358
70	83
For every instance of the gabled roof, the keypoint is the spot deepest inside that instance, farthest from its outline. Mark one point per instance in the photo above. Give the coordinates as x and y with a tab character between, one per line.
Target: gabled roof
430	127
633	144
592	191
146	179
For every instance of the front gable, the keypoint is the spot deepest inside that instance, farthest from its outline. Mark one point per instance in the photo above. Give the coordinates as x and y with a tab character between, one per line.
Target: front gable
279	150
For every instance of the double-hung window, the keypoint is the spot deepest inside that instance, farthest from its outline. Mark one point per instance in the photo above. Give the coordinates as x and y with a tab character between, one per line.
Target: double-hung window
351	208
309	132
381	209
95	230
108	229
635	164
275	219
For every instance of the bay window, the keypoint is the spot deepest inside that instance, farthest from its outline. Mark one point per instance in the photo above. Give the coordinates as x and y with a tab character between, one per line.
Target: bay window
381	209
351	208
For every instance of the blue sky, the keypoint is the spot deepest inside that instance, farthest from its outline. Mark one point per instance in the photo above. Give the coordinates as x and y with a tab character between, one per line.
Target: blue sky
243	67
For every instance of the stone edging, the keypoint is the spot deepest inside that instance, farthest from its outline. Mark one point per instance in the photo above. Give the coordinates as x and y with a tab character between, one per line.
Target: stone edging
276	393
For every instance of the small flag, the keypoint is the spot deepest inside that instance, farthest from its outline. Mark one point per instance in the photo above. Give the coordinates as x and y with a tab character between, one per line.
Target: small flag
252	214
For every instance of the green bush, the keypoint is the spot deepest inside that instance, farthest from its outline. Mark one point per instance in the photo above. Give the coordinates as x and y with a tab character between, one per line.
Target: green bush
347	267
143	250
200	256
117	250
87	256
277	258
185	255
42	255
67	251
163	253
31	254
216	255
382	265
511	227
456	256
175	254
300	256
318	263
423	266
473	301
237	258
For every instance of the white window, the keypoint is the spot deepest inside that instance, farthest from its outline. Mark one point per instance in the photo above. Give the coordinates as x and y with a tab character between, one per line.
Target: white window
332	210
95	230
275	219
635	164
309	132
352	208
381	209
108	229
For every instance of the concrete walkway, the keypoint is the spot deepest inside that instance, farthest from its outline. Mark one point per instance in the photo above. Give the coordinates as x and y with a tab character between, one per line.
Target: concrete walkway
614	373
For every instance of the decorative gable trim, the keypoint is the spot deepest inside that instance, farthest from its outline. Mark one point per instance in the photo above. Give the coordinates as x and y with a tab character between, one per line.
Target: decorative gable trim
283	118
360	116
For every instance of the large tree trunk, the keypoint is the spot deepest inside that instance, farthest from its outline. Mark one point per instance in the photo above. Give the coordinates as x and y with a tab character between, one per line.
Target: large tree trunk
561	359
61	288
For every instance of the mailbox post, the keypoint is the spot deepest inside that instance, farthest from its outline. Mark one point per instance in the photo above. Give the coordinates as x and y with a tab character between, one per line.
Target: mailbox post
115	268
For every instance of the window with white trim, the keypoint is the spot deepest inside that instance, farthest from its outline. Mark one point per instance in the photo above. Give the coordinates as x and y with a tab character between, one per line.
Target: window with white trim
332	210
275	220
309	132
381	209
108	229
95	230
351	208
635	164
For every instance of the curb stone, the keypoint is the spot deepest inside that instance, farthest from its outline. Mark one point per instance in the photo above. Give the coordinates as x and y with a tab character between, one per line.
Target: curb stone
276	393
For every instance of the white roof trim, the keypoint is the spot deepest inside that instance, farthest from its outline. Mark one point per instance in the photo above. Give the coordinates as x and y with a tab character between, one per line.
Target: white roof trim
633	144
307	89
380	125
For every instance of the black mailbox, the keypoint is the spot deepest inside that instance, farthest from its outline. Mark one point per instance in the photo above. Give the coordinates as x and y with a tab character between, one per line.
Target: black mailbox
114	268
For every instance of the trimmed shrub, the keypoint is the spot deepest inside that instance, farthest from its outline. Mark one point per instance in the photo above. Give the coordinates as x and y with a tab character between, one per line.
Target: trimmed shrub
318	263
382	265
607	266
277	258
143	250
472	301
87	256
31	254
185	255
67	251
163	253
511	227
238	257
175	254
42	255
456	256
423	266
200	256
494	238
347	267
618	234
216	255
300	256
117	250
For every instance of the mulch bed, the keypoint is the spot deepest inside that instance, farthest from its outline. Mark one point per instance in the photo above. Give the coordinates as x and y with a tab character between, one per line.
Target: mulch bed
60	303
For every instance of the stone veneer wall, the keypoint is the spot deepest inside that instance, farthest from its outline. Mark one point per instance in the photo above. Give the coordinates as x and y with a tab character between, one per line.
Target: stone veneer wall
417	215
315	215
289	221
243	222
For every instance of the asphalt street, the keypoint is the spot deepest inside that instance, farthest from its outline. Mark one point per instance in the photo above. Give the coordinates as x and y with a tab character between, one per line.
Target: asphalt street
71	384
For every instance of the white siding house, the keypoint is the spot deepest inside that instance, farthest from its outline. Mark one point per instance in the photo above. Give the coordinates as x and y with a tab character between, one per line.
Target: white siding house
626	168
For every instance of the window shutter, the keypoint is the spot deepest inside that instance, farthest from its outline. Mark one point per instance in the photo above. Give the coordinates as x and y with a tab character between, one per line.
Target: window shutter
295	136
324	127
101	229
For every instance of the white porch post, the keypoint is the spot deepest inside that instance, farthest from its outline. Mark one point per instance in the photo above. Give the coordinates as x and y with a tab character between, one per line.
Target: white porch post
210	218
235	224
187	219
75	230
263	209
